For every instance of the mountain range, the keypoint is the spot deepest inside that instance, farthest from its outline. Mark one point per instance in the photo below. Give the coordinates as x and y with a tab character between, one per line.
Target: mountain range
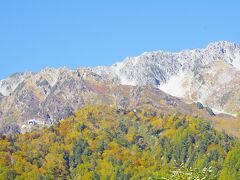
209	75
176	82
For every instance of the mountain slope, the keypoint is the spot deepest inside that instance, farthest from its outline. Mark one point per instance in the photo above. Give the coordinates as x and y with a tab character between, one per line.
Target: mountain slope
99	142
209	75
54	94
8	85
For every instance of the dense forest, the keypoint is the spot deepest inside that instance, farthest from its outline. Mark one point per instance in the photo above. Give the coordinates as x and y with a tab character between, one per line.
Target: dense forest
100	142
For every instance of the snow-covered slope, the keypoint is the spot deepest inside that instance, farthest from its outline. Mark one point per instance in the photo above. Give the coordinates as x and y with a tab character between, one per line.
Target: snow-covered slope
177	85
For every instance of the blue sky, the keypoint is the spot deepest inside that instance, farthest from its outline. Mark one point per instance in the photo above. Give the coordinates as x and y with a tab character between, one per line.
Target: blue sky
54	33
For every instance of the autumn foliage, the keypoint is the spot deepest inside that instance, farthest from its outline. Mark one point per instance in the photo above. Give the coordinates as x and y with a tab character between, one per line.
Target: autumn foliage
100	142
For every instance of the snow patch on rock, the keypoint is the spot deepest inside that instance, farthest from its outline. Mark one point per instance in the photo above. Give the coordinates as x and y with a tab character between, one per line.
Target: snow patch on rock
236	62
217	111
175	85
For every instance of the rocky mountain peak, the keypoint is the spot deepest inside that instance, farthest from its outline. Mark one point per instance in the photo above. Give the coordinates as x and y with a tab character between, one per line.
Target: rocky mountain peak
9	84
210	76
222	45
189	74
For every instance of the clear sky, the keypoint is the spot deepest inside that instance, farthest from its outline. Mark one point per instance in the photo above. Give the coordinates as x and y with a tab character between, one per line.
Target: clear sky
39	33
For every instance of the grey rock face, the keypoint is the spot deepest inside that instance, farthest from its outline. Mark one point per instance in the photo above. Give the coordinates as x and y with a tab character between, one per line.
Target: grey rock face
210	76
204	75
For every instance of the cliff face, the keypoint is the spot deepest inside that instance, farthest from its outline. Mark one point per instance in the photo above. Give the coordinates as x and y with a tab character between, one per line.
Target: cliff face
50	98
210	76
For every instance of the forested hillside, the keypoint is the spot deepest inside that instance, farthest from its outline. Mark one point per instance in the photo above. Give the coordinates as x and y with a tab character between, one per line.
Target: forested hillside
100	142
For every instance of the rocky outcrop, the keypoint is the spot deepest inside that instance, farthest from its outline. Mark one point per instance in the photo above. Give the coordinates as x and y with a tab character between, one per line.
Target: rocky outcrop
210	76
